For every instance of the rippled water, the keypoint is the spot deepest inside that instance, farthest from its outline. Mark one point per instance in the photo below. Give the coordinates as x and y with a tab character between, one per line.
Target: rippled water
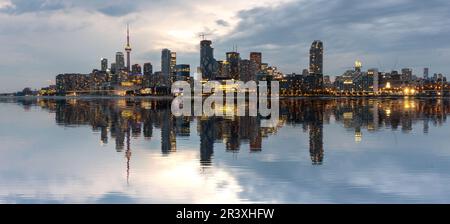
135	151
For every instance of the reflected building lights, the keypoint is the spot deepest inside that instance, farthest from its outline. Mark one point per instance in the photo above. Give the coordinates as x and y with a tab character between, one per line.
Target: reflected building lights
127	119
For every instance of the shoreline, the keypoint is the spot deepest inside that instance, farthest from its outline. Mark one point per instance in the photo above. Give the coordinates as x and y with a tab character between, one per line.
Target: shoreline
172	97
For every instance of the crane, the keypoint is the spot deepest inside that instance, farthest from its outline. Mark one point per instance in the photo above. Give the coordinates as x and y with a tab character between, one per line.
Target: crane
203	35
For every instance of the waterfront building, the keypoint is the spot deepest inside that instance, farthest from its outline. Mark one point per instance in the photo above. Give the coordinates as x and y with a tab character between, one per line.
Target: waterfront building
120	62
426	72
136	69
292	85
247	70
256	57
316	58
103	64
113	68
148	68
208	65
326	81
316	65
233	59
173	62
264	67
98	81
166	57
72	83
148	72
182	72
223	71
406	75
375	77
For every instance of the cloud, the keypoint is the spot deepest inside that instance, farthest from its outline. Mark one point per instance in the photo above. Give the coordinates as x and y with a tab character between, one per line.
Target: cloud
380	31
6	4
47	37
222	22
24	6
116	10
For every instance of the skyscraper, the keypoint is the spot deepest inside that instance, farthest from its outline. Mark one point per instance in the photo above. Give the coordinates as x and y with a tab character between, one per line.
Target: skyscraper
223	70
173	62
165	62
148	74
248	70
148	68
426	72
128	48
256	57
233	59
136	69
375	76
316	65
406	75
120	61
208	65
113	68
104	64
316	58
182	72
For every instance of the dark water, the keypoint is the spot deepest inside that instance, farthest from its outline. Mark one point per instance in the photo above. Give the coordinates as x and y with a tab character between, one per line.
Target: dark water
135	151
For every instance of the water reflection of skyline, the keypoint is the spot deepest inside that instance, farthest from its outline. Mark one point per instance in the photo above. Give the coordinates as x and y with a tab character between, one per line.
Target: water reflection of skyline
125	119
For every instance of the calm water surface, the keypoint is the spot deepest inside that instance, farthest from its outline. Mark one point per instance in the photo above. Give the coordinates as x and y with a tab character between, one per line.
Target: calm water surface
135	151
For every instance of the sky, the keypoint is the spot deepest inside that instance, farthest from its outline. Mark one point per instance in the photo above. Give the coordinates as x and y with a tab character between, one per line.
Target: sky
43	38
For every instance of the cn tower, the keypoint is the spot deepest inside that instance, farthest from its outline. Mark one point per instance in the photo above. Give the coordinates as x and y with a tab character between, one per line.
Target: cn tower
128	48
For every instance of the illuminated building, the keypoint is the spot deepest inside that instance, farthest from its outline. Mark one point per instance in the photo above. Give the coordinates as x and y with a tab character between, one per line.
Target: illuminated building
406	75
247	70
173	62
375	77
326	81
98	80
264	67
120	62
358	66
148	73
136	69
293	85
233	60
104	64
316	65
128	49
182	72
223	71
316	58
256	57
72	84
208	65
166	57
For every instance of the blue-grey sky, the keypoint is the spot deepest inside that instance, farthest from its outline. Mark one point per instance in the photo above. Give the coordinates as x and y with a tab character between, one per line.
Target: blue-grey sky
42	38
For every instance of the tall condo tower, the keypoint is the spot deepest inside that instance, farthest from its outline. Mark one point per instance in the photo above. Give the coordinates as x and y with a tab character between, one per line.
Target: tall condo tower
128	48
316	65
208	65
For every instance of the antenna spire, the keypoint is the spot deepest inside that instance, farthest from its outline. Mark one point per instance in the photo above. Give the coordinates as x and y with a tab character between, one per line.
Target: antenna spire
128	34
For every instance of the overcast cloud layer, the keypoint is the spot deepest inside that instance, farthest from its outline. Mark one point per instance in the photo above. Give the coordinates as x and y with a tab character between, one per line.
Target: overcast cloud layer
42	38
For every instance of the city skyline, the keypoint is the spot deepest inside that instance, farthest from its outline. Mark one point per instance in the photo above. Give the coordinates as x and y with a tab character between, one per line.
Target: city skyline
389	34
